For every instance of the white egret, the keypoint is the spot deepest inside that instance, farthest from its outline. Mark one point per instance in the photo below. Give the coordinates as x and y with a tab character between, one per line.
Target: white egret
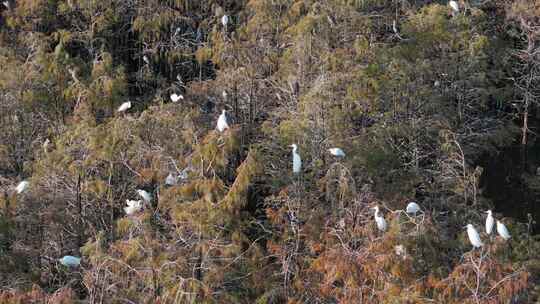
145	59
171	180
413	208
489	222
70	261
503	232
222	124
474	237
297	161
175	97
124	107
145	195
379	219
225	20
46	144
6	4
337	152
400	250
22	186
454	5
133	207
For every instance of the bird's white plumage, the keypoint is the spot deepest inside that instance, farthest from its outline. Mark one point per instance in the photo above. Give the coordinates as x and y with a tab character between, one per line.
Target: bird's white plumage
379	220
454	5
176	97
337	152
145	195
145	58
474	237
412	208
133	207
489	222
70	261
502	231
124	107
297	161
225	20
22	186
222	124
171	180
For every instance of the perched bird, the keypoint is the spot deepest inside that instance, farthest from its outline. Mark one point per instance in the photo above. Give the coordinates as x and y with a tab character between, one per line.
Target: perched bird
145	195
225	20
124	107
503	232
474	237
379	219
46	145
6	4
400	250
171	180
337	152
454	5
70	261
489	222
297	161
22	186
145	59
413	208
133	207
175	97
222	124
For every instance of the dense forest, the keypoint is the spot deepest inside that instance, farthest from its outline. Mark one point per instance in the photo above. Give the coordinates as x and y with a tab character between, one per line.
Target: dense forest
111	151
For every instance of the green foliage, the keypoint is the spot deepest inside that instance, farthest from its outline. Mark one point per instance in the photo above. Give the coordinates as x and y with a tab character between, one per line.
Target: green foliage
418	111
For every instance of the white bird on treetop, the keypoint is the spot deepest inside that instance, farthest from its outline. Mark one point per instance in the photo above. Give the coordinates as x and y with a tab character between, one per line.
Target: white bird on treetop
22	186
297	161
171	180
222	124
454	5
413	208
145	59
224	20
379	219
133	207
175	97
145	195
474	237
489	222
70	261
124	107
503	232
337	152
